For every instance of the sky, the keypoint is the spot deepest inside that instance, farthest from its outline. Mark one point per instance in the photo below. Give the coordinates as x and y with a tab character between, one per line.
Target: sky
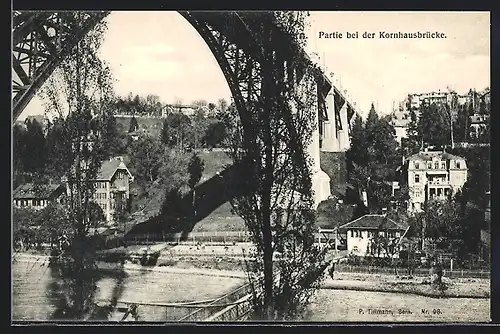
160	53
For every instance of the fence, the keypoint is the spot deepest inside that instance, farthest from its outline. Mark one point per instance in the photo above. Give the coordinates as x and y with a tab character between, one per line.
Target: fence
209	236
238	311
416	272
194	237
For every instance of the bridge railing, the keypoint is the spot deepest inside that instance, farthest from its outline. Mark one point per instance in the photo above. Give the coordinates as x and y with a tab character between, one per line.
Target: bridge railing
206	311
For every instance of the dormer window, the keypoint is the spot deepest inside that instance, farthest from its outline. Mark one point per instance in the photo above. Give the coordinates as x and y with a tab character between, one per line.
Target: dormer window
417	165
458	164
429	165
436	165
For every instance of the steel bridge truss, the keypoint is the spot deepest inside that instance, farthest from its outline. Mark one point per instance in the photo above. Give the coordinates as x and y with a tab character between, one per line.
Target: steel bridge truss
40	42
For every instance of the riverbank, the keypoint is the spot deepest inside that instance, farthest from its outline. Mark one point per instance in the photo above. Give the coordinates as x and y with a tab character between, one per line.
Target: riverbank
456	287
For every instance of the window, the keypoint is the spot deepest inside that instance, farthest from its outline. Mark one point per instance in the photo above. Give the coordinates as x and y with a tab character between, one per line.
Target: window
429	165
417	165
458	164
436	165
443	165
417	178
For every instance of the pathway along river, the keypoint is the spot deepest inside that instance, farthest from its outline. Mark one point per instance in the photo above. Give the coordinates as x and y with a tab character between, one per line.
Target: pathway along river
32	289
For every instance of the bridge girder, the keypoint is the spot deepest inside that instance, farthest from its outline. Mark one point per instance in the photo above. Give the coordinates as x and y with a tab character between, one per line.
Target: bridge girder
40	41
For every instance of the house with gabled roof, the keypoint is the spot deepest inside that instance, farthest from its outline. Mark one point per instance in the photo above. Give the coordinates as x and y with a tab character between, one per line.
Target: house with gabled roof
433	175
112	187
37	196
364	231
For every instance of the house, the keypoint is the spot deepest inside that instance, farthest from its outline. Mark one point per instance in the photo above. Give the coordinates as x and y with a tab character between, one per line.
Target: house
37	197
400	123
433	175
364	233
112	186
478	125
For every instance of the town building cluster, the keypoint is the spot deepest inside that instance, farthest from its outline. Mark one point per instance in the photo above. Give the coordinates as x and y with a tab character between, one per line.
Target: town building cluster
400	115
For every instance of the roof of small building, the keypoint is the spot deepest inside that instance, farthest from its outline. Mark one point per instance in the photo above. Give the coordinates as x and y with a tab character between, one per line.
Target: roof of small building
373	222
478	119
30	191
427	156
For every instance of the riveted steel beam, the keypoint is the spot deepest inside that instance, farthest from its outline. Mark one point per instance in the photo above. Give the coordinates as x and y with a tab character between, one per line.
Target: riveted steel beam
36	54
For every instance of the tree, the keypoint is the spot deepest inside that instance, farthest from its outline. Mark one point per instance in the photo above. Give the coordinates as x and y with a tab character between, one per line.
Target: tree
35	151
173	173
195	170
413	144
222	105
166	135
176	127
173	209
145	156
434	124
373	158
112	137
198	124
461	125
134	126
80	95
439	221
276	202
215	134
18	139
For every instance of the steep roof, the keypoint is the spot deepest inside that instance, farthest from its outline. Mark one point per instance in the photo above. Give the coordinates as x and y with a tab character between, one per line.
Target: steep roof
31	191
427	156
109	167
373	222
107	170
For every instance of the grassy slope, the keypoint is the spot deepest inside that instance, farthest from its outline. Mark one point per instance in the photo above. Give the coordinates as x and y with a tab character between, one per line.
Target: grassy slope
220	219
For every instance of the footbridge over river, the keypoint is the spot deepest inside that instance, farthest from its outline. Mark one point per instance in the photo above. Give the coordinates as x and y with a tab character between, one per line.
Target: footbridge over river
244	44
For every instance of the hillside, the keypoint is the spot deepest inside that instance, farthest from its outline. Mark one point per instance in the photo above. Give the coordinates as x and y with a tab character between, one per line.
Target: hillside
330	213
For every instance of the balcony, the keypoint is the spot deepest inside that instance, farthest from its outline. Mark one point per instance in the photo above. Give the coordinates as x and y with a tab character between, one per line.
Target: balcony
439	182
437	172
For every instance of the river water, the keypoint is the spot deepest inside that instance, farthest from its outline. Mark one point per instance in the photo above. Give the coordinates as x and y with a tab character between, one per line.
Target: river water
32	291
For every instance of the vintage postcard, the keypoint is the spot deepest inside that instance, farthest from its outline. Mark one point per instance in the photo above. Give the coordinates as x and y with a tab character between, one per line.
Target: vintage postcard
234	166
